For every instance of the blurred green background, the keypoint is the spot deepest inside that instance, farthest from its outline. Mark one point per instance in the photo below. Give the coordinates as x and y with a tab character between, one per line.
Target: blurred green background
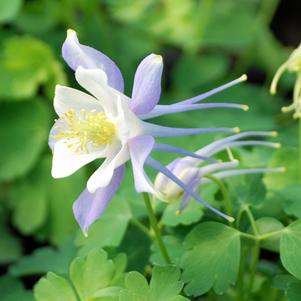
204	43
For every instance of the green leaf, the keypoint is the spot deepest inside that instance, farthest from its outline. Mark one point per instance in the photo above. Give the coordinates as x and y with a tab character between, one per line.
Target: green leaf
37	17
164	286
192	213
9	9
211	258
22	295
129	10
62	194
248	189
10	246
174	21
54	288
136	245
26	63
292	204
30	200
266	225
12	290
294	291
269	52
23	124
136	288
94	277
91	274
174	247
191	72
225	30
45	204
272	206
282	281
290	248
44	260
283	157
9	285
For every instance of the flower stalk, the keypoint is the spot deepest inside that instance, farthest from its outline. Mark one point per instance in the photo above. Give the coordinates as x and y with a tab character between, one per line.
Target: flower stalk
154	224
224	191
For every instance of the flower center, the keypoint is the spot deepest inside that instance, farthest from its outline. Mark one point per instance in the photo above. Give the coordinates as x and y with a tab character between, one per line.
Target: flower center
85	130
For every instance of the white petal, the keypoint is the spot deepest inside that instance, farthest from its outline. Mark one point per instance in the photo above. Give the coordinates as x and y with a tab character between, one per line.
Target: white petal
93	81
129	125
67	98
65	162
103	175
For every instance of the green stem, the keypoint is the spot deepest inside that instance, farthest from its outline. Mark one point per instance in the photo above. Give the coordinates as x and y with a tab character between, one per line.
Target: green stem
141	227
256	237
226	199
238	219
154	225
260	237
248	236
241	274
253	266
252	220
256	250
269	235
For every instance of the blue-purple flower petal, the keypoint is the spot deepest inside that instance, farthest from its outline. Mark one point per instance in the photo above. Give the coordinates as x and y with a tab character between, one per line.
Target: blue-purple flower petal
140	147
147	85
214	91
90	206
160	110
180	151
163	131
76	54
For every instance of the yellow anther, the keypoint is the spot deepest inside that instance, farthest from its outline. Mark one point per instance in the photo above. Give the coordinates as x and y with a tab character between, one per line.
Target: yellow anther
245	107
85	130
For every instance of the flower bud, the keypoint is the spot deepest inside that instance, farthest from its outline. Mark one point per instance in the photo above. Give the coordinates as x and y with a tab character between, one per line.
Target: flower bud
186	172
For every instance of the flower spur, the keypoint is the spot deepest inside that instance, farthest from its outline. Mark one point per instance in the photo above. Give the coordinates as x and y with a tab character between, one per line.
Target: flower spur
107	124
194	173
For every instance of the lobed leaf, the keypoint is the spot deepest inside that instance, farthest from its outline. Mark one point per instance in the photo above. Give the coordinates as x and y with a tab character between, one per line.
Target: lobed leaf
211	259
290	248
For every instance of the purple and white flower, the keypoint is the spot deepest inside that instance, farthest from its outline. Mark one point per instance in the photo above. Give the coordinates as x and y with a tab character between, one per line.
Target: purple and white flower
193	172
105	123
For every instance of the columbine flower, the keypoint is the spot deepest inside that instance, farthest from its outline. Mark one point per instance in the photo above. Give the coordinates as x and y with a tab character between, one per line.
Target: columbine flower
193	172
105	123
293	64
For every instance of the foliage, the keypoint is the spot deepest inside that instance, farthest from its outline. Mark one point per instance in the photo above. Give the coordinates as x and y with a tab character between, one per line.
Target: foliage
204	44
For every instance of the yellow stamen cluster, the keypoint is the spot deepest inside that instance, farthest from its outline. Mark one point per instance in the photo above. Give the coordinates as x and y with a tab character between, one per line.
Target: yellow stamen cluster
85	130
